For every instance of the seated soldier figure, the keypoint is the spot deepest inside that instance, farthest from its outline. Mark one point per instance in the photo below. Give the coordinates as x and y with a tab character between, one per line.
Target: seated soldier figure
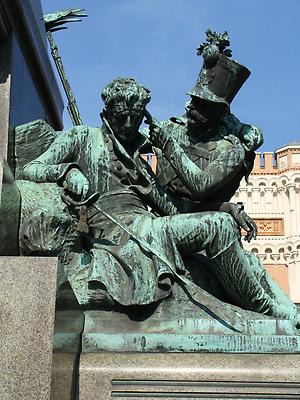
205	154
132	255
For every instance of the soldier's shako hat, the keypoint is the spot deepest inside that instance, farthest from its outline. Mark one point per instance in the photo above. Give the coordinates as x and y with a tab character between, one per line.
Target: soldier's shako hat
220	77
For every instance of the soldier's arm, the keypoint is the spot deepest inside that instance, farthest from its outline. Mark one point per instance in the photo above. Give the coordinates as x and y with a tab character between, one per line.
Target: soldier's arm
55	161
203	182
250	135
165	204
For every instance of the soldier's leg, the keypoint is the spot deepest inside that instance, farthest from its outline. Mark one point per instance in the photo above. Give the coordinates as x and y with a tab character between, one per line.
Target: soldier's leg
250	285
242	276
280	301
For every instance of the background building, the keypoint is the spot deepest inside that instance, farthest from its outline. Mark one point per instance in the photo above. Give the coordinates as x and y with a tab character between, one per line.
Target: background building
272	198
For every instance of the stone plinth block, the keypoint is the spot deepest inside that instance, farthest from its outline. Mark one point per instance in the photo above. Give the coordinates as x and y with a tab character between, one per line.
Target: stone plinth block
152	376
68	328
64	378
67	347
1	177
27	306
108	331
5	80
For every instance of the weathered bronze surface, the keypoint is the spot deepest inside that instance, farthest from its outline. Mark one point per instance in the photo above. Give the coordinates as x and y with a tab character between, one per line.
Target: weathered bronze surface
129	241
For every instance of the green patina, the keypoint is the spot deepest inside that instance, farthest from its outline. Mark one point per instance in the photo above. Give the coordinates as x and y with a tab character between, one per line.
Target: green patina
129	240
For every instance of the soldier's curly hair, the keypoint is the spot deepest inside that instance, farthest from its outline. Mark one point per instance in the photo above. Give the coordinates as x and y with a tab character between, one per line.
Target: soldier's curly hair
127	90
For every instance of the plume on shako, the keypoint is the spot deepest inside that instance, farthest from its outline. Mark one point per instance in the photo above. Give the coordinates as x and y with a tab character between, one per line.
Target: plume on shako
220	77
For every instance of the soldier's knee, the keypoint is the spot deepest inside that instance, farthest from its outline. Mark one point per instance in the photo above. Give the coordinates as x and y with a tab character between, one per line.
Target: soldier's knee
227	224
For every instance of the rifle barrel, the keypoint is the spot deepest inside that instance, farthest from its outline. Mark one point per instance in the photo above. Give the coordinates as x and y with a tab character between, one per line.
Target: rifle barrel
72	105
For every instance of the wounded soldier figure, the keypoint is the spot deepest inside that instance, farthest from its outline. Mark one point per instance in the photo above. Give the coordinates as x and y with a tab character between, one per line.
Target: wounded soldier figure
126	253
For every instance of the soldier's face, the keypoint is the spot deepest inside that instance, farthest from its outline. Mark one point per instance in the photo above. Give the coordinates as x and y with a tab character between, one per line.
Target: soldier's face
125	121
204	116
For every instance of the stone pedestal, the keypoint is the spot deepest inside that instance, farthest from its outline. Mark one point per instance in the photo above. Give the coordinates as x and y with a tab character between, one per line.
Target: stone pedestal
189	376
5	78
111	331
27	303
64	376
67	348
165	357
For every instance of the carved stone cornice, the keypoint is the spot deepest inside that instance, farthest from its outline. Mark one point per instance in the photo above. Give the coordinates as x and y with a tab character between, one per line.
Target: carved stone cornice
290	185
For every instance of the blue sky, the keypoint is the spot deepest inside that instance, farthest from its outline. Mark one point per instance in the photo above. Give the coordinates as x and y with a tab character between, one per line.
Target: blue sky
155	42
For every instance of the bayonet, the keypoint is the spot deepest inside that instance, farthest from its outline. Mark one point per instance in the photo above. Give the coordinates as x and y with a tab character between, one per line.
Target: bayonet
54	22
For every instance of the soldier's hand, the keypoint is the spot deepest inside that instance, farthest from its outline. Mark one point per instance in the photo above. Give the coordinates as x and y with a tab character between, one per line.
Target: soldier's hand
159	135
247	223
242	219
76	183
252	228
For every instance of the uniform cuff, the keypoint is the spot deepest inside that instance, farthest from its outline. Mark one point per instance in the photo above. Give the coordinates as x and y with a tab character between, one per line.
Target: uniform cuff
64	170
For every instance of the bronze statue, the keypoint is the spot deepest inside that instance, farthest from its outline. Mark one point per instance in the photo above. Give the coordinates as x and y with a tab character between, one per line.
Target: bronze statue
120	253
204	154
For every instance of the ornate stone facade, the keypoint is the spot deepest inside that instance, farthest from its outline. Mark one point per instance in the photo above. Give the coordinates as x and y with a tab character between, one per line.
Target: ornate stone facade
272	198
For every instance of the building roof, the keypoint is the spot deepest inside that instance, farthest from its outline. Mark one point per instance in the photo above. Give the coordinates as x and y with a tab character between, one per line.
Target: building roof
294	143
